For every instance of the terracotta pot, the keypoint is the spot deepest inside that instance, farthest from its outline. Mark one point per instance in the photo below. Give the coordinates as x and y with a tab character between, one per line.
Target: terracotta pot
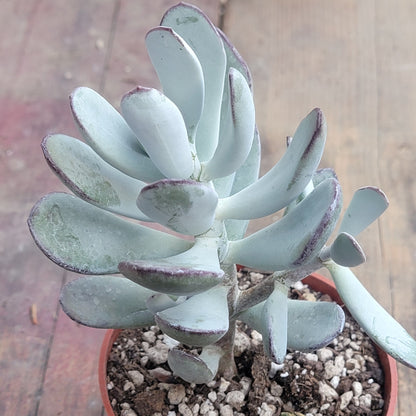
316	282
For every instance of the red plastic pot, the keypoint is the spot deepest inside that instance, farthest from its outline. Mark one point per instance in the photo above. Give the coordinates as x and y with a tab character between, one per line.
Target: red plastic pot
316	282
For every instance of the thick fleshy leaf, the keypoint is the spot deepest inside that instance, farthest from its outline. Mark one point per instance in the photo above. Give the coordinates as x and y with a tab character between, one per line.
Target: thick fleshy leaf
366	206
91	178
105	130
160	301
346	251
234	59
286	180
179	72
296	238
275	324
224	185
195	369
160	127
106	302
83	238
201	320
185	206
236	130
321	174
201	35
379	325
247	174
318	177
187	273
312	325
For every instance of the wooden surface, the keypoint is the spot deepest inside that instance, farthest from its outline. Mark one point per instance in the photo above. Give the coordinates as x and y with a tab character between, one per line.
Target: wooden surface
354	59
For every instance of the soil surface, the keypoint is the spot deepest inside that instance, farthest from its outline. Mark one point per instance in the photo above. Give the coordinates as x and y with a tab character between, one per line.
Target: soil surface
344	378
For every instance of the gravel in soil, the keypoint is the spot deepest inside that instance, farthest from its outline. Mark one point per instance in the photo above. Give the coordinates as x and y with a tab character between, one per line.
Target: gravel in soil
344	378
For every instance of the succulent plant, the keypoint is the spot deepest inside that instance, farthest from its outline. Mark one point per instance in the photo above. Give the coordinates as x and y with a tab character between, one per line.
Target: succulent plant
188	159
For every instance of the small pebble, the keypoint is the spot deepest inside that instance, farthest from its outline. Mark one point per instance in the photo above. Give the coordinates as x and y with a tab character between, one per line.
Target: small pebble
311	357
267	410
160	374
149	336
327	392
357	388
212	396
184	410
226	410
158	354
346	399
136	377
128	412
324	354
206	407
245	384
335	381
224	384
235	398
176	393
128	385
365	400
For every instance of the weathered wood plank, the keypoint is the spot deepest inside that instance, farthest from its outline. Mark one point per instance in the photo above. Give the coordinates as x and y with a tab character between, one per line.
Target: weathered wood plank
396	75
71	381
43	63
357	62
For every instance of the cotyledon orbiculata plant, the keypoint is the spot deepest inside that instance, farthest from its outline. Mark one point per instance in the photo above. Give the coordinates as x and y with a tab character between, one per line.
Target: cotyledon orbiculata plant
188	158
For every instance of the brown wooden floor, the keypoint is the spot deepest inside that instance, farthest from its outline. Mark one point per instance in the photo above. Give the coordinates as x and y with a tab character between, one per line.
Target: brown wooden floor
354	59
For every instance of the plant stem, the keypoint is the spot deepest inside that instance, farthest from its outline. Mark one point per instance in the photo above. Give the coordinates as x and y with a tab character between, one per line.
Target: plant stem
227	367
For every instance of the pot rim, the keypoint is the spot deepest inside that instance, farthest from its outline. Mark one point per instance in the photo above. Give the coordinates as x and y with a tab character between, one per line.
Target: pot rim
317	282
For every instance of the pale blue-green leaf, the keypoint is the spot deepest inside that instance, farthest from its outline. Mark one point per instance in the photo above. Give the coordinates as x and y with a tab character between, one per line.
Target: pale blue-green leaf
223	185
346	251
253	317
190	272
195	369
83	238
185	206
105	130
201	320
318	177
307	190
286	180
236	129
160	127
312	325
106	302
296	238
201	35
366	206
160	301
321	174
247	174
179	72
275	327
380	326
234	59
91	178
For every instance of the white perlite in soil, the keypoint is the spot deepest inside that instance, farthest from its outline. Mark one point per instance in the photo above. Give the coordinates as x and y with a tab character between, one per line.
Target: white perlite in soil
343	378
